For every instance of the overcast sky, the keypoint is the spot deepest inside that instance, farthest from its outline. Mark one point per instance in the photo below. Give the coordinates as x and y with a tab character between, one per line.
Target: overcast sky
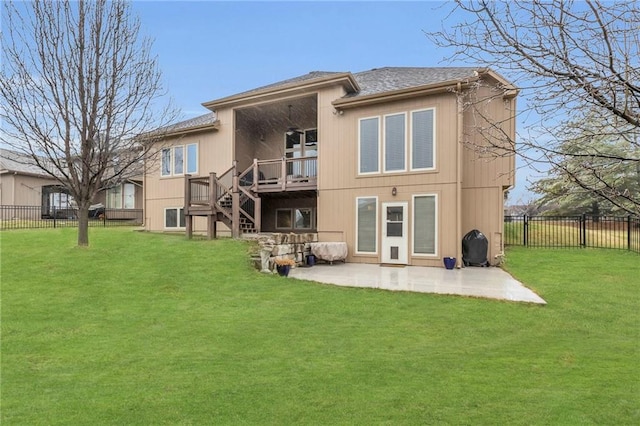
211	49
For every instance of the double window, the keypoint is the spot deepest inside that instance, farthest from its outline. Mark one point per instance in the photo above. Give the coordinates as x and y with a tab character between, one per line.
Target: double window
302	144
179	159
300	219
399	144
174	218
121	196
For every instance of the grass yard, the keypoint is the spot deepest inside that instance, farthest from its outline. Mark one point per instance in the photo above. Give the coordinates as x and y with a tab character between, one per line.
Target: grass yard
145	329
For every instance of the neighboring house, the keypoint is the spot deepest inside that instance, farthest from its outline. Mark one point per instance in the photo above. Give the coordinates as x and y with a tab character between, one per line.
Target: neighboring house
23	183
380	160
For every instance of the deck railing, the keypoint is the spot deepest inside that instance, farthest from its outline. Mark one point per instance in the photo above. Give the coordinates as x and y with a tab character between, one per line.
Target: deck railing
281	174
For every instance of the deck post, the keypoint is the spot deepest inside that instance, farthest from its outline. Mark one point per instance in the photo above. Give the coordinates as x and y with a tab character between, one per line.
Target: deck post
257	214
235	207
213	193
187	203
283	173
254	185
211	227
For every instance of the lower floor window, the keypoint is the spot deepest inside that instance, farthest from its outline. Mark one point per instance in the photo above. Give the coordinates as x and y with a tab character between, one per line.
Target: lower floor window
121	196
294	218
366	224
424	224
174	218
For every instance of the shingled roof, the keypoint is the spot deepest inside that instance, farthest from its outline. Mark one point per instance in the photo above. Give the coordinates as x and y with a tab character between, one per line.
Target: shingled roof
16	162
202	120
313	75
366	83
389	79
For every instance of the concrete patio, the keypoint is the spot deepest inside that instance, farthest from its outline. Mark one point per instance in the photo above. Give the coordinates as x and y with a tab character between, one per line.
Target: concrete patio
492	283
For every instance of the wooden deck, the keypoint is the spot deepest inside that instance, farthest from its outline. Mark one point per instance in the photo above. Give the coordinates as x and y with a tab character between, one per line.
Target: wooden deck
234	198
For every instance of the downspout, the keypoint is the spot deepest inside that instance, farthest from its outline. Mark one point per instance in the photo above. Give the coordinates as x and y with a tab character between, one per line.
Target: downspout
459	174
145	223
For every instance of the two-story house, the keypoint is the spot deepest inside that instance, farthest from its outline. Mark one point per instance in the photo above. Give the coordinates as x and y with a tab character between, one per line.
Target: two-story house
389	161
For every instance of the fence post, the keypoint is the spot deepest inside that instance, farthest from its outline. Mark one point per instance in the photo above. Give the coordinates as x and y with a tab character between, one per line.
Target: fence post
629	232
525	232
55	215
104	218
583	230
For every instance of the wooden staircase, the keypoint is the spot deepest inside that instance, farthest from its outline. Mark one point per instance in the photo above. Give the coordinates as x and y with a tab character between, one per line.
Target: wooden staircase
221	199
233	198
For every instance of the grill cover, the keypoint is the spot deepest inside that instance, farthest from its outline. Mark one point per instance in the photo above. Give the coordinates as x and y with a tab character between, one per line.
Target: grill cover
474	249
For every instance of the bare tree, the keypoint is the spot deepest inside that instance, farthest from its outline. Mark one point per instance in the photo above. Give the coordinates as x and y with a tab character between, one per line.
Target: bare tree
78	88
578	67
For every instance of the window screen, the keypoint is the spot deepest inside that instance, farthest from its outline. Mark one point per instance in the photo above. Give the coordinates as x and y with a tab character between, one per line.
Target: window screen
367	222
166	162
369	145
178	165
424	238
192	158
422	140
394	142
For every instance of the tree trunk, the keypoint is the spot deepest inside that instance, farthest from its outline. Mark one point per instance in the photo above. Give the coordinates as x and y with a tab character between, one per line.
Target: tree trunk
83	224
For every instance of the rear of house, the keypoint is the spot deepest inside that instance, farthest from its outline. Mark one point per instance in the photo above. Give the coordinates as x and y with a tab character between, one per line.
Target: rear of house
392	161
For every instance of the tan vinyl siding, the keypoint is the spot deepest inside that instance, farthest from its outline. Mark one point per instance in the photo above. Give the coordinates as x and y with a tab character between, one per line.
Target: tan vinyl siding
340	184
496	167
168	192
482	210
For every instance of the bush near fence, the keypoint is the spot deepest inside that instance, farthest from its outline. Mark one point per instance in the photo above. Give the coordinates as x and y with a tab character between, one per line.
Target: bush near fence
573	231
32	217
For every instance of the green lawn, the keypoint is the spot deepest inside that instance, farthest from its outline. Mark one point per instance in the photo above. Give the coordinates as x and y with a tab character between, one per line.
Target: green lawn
145	329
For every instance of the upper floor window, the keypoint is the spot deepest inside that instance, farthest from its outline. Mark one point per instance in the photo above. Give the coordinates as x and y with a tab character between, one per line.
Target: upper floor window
394	143
408	142
422	139
177	159
369	147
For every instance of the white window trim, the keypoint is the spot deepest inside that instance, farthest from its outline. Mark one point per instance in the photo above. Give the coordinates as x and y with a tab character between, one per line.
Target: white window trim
164	219
369	253
162	173
186	158
185	162
384	143
377	171
435	144
413	226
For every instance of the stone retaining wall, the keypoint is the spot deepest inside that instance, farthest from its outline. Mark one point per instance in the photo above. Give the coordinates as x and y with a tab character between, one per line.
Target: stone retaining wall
278	246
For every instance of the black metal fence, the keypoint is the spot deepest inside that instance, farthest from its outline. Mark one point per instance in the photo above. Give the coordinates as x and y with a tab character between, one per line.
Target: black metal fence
621	233
26	217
